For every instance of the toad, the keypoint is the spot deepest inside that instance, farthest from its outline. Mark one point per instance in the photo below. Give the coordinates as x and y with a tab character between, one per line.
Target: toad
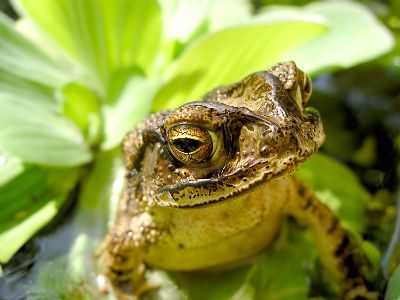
210	183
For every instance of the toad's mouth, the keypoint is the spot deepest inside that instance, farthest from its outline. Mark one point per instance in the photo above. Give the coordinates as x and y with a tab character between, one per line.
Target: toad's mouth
199	193
193	194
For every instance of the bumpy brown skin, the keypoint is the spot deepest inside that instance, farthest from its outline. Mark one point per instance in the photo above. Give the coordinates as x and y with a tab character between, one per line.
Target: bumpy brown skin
209	184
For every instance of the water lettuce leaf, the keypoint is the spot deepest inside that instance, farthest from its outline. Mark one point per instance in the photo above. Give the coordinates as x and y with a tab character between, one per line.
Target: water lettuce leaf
228	55
354	36
37	135
338	187
28	203
95	33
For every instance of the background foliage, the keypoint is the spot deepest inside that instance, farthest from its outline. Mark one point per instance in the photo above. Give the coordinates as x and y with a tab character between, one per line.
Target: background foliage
76	75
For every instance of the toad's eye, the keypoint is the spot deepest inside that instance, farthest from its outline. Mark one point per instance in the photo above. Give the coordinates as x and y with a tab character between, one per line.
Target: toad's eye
307	88
190	144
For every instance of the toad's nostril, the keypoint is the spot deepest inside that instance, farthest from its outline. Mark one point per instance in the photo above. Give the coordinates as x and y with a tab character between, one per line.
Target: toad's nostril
264	151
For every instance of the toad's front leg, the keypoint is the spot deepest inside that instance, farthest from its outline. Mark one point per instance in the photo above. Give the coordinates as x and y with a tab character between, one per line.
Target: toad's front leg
123	254
337	252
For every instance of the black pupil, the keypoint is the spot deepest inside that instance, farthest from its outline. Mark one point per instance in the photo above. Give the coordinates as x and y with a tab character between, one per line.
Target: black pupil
186	145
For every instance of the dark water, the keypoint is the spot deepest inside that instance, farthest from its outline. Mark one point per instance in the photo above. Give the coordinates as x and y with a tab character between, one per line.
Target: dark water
53	242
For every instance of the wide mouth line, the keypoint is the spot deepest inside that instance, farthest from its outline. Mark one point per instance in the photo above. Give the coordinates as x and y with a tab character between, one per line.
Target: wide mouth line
200	182
220	200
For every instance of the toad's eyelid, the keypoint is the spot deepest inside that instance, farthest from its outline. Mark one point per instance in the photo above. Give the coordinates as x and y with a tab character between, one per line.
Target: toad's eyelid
222	110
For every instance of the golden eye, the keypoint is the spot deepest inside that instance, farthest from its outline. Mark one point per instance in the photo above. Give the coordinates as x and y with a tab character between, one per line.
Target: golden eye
190	144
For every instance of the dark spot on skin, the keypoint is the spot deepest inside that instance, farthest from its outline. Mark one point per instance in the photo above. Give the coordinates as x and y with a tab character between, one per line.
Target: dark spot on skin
333	226
120	259
342	246
119	273
352	270
264	151
181	246
308	203
301	190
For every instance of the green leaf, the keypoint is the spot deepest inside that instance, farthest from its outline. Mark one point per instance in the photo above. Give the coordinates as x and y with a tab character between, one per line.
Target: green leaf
219	285
354	36
338	187
27	205
287	259
10	166
393	289
100	190
227	13
54	282
127	104
102	35
25	70
22	59
228	55
36	135
27	89
72	276
18	235
184	19
181	19
83	107
392	256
